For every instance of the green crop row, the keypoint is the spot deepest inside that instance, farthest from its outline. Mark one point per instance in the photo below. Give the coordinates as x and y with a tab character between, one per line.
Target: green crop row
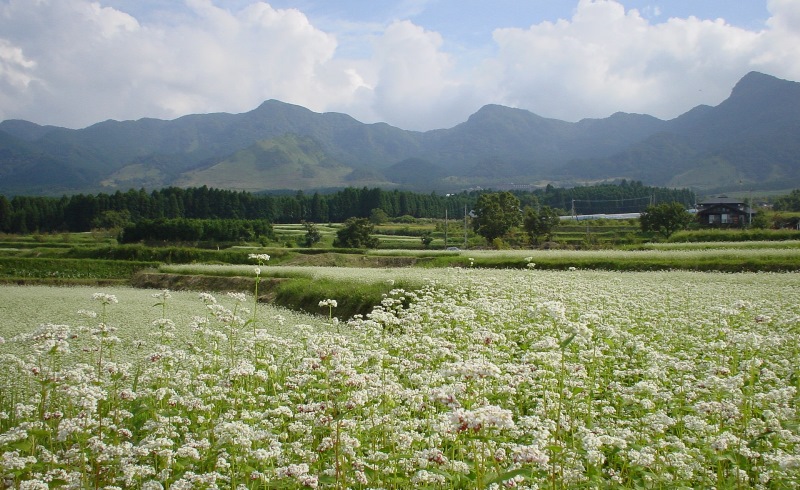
734	235
60	269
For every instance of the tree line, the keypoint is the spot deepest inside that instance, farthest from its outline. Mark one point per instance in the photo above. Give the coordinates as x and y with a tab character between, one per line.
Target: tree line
194	230
84	212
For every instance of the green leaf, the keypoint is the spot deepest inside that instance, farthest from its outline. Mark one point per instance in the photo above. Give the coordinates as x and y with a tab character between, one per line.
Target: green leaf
39	432
25	445
555	448
564	343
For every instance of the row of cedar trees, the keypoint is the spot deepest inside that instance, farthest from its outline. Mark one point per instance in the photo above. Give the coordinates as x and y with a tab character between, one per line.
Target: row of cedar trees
82	212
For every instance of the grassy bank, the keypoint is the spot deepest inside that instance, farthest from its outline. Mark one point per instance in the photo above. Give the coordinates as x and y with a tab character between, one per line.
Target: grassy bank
59	270
355	290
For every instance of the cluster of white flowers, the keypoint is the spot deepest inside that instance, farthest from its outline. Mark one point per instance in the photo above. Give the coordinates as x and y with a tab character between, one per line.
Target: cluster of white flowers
331	303
105	298
470	379
164	294
487	417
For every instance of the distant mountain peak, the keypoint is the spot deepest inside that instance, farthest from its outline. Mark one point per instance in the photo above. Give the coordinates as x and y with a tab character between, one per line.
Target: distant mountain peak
758	84
751	136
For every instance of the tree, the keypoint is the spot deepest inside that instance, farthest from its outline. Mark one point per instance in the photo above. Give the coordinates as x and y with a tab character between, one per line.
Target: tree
540	224
665	219
112	220
312	235
790	202
5	214
378	216
427	239
356	233
498	213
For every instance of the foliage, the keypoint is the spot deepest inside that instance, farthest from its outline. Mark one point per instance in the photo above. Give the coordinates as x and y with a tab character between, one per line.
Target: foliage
665	219
356	233
498	213
66	269
765	258
312	235
81	212
427	239
790	202
193	230
378	216
405	219
734	235
540	224
112	220
760	220
784	220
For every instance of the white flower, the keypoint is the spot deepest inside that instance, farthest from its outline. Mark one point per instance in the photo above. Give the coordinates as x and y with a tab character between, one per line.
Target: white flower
257	271
105	298
240	297
164	294
207	298
259	257
328	302
489	416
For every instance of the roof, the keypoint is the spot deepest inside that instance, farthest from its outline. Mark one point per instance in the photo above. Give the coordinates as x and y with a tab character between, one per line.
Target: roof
720	200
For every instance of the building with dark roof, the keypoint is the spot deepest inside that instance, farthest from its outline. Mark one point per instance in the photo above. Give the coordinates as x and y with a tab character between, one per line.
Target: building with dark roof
724	212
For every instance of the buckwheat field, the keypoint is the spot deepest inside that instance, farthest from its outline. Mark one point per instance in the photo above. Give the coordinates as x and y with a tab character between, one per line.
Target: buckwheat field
481	379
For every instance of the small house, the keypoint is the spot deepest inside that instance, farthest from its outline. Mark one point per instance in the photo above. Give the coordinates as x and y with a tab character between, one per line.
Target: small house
724	211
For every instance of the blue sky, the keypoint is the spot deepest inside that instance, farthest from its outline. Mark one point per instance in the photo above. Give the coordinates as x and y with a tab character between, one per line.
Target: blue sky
416	64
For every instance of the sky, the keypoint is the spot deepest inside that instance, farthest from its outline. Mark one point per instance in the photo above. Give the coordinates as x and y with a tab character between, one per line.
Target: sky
415	64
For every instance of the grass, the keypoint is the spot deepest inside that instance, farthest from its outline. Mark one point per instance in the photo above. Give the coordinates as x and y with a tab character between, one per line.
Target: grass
25	308
734	235
715	245
356	292
702	259
57	269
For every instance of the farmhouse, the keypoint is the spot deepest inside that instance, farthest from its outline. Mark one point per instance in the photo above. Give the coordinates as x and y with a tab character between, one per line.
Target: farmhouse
724	211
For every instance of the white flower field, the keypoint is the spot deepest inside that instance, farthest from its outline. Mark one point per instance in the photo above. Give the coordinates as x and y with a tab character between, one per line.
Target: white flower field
483	379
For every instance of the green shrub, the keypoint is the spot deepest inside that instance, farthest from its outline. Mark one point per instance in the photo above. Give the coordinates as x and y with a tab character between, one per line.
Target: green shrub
733	235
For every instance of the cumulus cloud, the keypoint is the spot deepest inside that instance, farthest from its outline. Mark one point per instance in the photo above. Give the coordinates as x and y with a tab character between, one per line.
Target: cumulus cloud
606	59
76	62
412	78
97	62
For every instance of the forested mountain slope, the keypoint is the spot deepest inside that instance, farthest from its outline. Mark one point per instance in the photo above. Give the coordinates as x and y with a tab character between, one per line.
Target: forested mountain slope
750	139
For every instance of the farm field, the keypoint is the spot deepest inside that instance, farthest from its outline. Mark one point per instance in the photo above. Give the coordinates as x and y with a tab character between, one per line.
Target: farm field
480	378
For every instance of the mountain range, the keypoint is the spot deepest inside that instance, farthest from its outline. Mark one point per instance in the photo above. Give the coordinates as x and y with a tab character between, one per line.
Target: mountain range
750	140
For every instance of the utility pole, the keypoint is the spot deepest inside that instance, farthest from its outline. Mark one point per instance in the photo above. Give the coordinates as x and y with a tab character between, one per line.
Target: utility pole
445	225
446	202
465	226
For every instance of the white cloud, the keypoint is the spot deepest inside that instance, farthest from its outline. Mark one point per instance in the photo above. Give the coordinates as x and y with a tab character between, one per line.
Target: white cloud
412	79
15	69
779	47
97	62
76	62
605	59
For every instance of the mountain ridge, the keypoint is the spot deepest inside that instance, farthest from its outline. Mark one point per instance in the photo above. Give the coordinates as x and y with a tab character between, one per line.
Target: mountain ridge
748	139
